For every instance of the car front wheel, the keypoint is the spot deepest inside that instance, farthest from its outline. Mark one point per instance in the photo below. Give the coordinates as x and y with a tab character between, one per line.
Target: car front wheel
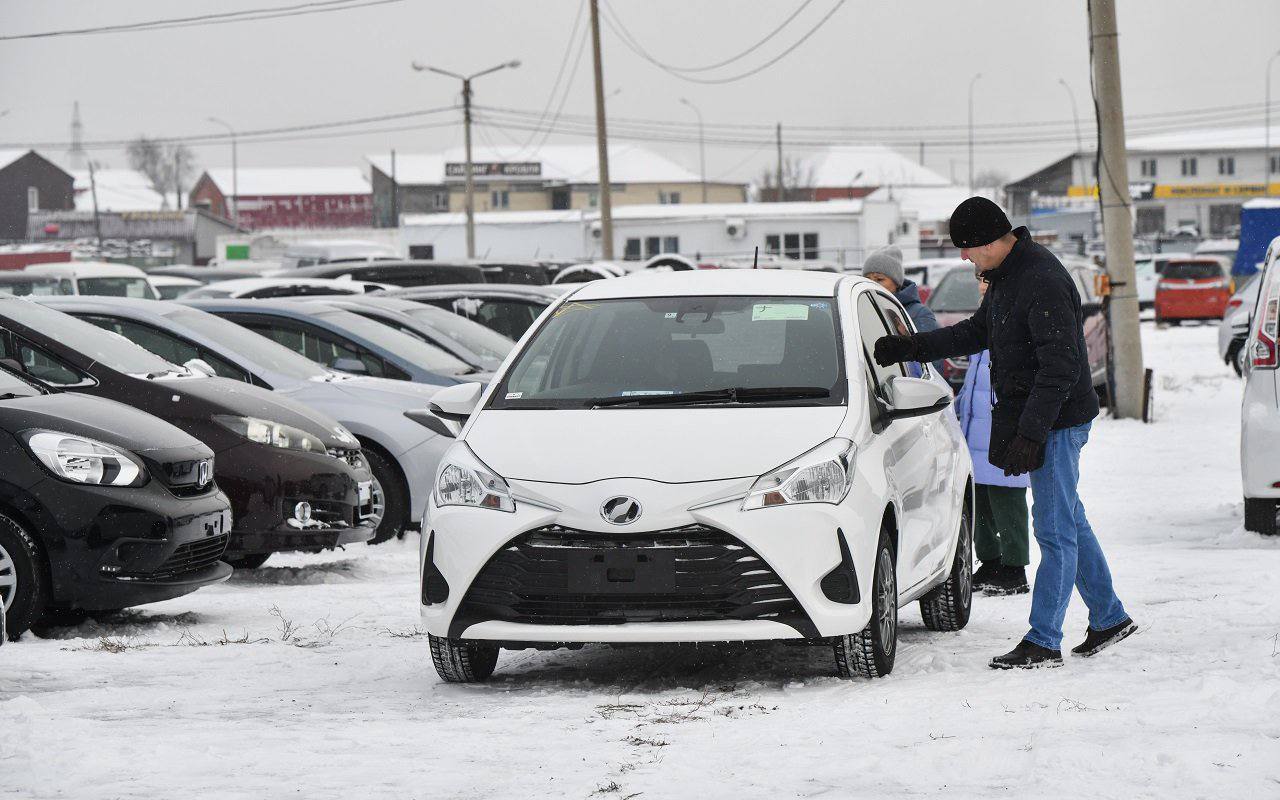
947	607
23	587
457	661
870	652
1260	516
390	498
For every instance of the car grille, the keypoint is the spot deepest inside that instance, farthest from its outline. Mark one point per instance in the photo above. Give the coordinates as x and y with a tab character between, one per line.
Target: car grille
562	576
192	557
352	457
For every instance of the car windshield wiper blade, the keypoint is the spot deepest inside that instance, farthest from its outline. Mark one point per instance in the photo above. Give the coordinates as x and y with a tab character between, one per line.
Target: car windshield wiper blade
731	395
13	396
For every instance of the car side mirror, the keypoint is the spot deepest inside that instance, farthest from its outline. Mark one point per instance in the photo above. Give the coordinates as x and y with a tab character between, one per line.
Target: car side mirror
352	365
915	397
452	405
201	366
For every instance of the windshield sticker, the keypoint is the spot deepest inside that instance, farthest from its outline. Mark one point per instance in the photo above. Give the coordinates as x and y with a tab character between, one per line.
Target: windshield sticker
779	311
514	395
669	315
821	305
575	306
645	392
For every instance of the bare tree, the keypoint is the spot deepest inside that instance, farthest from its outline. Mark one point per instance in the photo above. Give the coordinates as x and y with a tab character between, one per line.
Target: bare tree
991	180
167	166
797	180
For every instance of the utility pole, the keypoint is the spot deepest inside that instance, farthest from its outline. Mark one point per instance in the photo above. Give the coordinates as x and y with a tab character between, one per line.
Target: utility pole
466	137
1266	170
235	173
922	154
972	81
97	220
602	140
395	193
778	134
702	149
1117	218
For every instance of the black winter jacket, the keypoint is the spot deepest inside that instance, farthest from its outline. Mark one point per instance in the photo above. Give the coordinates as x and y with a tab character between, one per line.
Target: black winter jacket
1031	321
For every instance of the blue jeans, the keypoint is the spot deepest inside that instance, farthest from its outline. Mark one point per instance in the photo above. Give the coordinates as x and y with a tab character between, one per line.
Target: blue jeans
1069	552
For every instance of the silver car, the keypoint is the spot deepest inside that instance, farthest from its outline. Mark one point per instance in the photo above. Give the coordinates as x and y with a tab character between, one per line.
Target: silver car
401	452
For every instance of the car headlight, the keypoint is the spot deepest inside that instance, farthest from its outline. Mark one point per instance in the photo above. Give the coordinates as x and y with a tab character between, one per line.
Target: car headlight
81	460
822	475
466	481
276	434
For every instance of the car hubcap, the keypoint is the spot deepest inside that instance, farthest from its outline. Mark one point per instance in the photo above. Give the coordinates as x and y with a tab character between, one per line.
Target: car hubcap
966	562
379	499
8	580
888	600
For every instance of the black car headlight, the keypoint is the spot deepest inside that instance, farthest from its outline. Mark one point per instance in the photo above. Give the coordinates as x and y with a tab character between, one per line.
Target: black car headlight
82	460
276	434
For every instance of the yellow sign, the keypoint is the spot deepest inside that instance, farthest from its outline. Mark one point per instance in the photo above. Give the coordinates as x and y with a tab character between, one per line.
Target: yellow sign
1168	191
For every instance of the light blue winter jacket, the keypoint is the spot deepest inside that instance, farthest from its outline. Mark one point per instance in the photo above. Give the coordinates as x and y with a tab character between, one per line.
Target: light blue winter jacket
973	405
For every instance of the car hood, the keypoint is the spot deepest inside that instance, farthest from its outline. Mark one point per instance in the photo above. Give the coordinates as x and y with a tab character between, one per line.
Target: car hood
675	445
400	394
243	399
96	418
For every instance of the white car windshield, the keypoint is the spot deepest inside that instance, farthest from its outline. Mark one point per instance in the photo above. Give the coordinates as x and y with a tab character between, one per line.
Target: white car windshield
117	287
665	351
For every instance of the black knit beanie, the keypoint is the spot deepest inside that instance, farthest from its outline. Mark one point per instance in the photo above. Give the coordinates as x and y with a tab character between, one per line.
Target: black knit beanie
977	222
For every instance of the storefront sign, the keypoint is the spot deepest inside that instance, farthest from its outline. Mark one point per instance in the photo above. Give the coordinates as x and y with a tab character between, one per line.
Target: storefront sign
1182	191
492	169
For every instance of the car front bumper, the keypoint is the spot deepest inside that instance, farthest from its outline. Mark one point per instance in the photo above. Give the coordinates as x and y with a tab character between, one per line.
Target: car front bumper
797	546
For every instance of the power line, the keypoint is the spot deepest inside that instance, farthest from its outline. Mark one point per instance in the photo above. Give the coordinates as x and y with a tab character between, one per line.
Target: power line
630	41
555	85
247	15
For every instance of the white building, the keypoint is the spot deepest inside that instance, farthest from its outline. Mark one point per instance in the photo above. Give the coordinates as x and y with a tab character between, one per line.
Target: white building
842	231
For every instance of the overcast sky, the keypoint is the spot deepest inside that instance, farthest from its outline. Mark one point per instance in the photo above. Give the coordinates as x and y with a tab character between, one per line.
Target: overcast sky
905	63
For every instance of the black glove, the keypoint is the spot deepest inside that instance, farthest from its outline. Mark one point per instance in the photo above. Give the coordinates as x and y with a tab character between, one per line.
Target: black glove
1022	456
895	349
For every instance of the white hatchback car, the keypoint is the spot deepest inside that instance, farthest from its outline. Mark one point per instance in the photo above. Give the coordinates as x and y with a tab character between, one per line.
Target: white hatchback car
1260	410
699	457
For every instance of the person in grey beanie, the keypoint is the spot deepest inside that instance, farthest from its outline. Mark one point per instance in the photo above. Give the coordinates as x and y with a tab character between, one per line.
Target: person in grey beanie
884	266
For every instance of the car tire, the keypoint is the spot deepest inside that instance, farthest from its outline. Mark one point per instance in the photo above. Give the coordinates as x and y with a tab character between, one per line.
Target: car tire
869	653
1238	359
1260	515
395	497
457	661
24	588
248	561
947	607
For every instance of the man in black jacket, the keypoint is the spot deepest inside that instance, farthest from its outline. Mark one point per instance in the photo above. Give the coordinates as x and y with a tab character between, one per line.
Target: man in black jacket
1030	320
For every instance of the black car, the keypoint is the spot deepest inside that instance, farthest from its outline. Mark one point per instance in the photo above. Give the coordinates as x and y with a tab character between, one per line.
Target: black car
397	273
101	507
510	309
296	478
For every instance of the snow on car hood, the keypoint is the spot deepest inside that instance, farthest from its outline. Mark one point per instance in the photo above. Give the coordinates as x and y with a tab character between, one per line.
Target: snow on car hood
388	391
676	445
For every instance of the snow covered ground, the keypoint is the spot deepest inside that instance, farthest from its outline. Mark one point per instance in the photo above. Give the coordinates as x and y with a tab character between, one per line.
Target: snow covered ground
310	678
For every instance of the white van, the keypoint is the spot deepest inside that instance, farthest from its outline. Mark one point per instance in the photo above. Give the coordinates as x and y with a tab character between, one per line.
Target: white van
308	254
100	278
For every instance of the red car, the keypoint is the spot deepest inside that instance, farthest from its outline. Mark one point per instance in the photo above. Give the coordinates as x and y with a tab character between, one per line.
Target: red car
956	297
1192	288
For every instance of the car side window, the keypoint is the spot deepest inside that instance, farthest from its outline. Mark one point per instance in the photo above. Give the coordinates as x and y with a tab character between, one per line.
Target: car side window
39	364
320	346
900	323
871	327
169	347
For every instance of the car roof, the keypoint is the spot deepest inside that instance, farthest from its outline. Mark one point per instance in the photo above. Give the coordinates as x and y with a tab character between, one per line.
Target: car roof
86	269
173	280
520	290
297	307
716	282
22	276
391	266
249	284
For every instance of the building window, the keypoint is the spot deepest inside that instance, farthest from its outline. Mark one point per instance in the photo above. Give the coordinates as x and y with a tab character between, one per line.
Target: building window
773	244
33	198
632	251
1275	164
593	199
1227	165
440	201
423	252
811	247
1148	166
669	198
671	244
652	246
791	245
499	199
1189	167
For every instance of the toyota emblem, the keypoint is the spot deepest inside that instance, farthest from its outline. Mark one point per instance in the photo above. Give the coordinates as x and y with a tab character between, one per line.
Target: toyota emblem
620	510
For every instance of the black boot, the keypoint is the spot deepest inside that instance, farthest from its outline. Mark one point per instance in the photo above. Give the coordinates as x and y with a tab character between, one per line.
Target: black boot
985	574
1028	655
1008	580
1097	641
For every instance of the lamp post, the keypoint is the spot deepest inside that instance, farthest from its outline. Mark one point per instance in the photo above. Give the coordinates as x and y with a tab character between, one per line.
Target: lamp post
466	136
702	149
235	173
1075	115
972	81
1266	167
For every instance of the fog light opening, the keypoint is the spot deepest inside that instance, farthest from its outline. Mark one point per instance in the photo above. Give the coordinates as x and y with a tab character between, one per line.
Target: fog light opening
302	512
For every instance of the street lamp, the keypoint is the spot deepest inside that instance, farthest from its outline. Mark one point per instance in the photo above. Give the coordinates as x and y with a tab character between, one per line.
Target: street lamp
972	81
1266	167
466	126
235	173
702	149
1075	116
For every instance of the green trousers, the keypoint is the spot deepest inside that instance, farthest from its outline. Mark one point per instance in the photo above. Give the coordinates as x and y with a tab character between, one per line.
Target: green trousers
1001	529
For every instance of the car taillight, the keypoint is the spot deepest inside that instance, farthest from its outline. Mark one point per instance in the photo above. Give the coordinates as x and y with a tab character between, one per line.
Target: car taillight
1235	302
1264	346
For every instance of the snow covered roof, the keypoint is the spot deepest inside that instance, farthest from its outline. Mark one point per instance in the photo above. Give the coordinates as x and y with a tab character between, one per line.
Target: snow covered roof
870	165
118	190
1263	202
280	181
7	157
567	163
689	211
1254	137
930	203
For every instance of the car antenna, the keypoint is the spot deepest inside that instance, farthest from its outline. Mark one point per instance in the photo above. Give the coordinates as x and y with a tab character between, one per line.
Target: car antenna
755	262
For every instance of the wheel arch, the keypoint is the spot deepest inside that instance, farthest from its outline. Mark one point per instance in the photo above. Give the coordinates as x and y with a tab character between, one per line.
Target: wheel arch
369	443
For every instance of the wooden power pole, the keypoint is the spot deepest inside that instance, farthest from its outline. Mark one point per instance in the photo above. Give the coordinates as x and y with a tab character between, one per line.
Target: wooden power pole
1117	212
602	141
780	197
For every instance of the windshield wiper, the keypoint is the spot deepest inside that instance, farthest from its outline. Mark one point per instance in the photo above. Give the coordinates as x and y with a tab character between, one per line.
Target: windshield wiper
13	396
731	395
